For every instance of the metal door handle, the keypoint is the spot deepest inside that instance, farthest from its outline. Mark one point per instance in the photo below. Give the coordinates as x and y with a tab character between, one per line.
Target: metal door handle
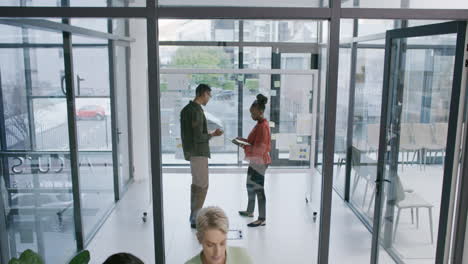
385	180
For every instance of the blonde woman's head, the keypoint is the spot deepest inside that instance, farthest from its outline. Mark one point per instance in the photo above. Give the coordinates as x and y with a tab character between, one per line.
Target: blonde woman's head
212	228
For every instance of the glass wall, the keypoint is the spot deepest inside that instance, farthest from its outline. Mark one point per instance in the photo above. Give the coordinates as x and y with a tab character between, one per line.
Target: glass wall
122	105
279	59
344	74
35	150
190	54
127	226
320	107
361	75
75	3
366	125
285	60
419	118
37	171
428	71
257	3
94	121
423	4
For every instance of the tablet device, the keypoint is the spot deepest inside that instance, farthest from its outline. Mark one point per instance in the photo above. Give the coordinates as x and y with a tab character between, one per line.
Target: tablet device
240	142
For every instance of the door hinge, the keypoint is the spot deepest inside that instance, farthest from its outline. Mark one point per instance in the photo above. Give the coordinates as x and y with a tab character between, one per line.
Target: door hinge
466	63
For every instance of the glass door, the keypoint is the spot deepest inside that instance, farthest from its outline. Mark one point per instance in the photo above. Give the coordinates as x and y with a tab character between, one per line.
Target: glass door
121	98
420	102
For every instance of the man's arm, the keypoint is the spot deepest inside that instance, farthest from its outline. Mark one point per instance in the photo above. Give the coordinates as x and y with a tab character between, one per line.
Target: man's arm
186	128
197	128
218	132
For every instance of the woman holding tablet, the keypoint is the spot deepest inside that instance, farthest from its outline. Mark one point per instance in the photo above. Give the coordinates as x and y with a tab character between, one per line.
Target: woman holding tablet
257	152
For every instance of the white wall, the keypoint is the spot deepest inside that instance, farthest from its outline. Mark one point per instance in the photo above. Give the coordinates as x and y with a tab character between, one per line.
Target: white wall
139	93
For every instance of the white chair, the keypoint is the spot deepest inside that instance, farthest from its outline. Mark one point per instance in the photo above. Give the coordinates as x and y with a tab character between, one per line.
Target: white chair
440	137
410	200
440	133
340	150
407	143
425	140
365	168
373	137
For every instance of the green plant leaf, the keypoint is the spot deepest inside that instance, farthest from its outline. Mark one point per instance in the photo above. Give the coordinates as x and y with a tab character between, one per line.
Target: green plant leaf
81	258
14	261
30	257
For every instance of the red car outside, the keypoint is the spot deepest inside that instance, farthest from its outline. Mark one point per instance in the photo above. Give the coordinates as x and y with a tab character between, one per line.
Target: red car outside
91	112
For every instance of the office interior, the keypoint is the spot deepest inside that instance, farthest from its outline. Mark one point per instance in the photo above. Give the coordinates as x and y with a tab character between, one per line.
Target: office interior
367	109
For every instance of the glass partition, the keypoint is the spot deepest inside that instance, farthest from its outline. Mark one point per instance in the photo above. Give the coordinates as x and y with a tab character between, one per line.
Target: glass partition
366	126
36	171
76	3
419	106
342	110
36	183
256	3
423	4
279	59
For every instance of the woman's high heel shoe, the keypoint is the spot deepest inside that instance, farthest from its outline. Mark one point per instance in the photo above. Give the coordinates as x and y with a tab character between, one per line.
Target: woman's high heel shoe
246	214
257	223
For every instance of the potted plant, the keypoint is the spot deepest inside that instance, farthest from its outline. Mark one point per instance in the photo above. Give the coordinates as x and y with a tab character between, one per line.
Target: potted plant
31	257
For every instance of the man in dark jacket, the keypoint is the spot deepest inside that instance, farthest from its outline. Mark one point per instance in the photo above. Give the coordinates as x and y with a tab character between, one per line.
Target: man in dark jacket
195	143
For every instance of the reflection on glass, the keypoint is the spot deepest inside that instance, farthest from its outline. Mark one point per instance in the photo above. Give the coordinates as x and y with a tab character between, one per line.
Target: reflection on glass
186	57
346	29
123	122
99	24
415	162
295	119
424	4
198	30
95	168
259	3
257	58
50	123
253	85
96	188
15	103
280	31
94	124
94	135
47	76
78	3
10	34
320	104
296	61
40	205
368	98
35	186
289	77
372	27
344	72
91	67
221	112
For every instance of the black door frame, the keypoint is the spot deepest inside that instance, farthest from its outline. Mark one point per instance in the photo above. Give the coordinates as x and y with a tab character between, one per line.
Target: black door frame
388	96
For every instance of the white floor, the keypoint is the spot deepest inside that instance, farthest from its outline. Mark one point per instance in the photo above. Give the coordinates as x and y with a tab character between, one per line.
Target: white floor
291	235
412	243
